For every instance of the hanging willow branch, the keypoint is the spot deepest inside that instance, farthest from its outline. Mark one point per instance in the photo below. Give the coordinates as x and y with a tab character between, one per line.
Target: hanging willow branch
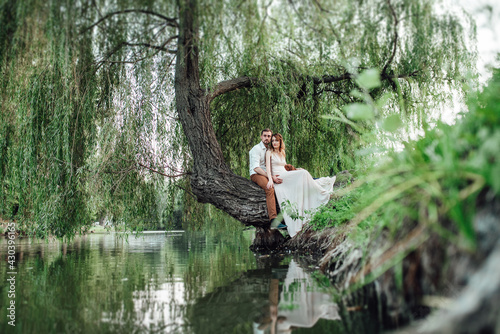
172	22
151	46
158	172
135	61
395	38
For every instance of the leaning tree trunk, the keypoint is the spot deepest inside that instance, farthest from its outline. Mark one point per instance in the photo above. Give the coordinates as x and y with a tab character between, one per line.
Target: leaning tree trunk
211	180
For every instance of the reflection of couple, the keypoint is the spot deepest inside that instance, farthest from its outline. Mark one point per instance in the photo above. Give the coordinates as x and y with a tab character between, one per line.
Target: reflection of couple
298	305
267	169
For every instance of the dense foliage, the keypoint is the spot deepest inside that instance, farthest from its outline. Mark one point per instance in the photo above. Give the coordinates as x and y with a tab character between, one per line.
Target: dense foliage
87	95
436	182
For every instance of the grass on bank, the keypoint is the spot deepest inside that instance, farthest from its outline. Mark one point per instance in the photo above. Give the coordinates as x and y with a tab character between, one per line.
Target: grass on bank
434	182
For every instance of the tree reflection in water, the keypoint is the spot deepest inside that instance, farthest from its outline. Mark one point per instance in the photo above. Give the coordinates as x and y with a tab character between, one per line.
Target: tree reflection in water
186	283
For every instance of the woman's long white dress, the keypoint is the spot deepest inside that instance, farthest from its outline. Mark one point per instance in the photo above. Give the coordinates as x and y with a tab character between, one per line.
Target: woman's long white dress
300	190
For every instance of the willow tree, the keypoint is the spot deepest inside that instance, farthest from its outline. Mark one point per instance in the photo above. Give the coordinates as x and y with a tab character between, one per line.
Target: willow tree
409	45
228	69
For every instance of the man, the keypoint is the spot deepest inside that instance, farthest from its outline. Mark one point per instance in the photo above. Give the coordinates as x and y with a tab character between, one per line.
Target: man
258	175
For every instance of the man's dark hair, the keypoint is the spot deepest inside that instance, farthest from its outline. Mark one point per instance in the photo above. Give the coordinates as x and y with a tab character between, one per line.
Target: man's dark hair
265	130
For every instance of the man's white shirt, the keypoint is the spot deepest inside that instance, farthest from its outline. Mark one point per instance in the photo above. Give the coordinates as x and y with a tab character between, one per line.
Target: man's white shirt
258	157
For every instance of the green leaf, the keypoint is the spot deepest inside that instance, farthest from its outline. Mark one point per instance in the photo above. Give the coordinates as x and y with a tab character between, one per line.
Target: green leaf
359	111
368	79
392	123
358	94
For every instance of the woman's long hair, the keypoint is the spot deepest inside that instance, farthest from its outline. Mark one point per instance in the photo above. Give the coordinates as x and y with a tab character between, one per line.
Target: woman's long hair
281	147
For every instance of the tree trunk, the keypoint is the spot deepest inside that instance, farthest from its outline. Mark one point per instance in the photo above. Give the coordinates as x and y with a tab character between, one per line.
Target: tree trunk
211	180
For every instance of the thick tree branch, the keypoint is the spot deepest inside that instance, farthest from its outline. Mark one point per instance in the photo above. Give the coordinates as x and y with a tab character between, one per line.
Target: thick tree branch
230	85
170	21
247	82
346	76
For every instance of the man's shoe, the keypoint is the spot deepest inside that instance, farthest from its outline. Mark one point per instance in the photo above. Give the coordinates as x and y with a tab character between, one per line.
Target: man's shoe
275	223
282	226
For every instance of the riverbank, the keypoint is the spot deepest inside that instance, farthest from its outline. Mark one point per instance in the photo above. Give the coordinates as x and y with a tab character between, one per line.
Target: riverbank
417	273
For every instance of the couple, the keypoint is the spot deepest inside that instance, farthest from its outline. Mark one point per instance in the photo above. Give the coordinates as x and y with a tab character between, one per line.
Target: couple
267	169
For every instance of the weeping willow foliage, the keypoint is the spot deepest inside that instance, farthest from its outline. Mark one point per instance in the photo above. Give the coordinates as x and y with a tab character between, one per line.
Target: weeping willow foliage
75	129
286	43
87	94
48	96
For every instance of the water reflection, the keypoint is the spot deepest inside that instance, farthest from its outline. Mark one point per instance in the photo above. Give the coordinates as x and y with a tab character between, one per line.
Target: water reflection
274	298
173	283
300	304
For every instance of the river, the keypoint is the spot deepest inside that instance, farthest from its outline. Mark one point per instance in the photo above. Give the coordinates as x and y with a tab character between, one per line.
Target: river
174	282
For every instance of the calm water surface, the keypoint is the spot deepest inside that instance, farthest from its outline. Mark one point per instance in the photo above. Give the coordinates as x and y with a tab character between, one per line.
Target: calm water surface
168	283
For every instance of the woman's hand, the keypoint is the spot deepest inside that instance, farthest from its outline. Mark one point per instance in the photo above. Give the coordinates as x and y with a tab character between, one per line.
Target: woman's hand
270	184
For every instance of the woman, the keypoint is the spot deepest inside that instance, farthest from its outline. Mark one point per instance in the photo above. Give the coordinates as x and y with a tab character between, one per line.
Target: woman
298	186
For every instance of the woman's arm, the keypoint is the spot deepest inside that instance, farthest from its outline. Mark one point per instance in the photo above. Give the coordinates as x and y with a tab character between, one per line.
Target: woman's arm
270	183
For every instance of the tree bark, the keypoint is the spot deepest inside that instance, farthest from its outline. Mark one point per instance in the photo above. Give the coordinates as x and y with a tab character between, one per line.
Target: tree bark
211	180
